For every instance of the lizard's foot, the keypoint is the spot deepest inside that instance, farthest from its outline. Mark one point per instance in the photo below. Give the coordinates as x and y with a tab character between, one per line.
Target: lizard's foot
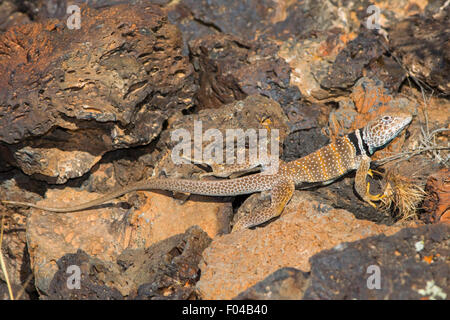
255	218
281	194
370	197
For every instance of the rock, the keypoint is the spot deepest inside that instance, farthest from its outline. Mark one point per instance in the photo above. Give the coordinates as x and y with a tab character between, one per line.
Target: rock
351	62
50	236
311	140
14	185
437	202
17	292
310	58
11	16
94	282
105	231
369	94
59	105
165	270
307	226
411	264
54	165
170	269
230	68
283	284
423	45
245	19
307	19
329	64
255	112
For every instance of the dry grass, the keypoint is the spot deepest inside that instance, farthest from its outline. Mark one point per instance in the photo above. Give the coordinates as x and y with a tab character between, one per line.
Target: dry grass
402	196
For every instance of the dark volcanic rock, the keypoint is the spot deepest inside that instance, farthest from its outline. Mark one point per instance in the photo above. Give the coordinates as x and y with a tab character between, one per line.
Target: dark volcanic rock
94	276
230	68
423	45
362	54
11	16
303	142
283	284
245	18
109	85
412	264
166	270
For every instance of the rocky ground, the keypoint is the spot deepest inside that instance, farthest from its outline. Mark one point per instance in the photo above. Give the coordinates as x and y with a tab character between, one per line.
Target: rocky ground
85	111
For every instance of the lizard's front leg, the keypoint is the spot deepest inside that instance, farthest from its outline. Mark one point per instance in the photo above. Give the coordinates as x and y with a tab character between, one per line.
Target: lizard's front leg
361	186
281	194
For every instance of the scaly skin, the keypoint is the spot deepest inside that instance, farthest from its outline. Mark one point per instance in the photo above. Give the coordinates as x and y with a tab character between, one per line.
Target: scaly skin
351	152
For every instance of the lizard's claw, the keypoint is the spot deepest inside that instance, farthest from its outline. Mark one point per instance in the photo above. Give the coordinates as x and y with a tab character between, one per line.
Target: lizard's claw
370	197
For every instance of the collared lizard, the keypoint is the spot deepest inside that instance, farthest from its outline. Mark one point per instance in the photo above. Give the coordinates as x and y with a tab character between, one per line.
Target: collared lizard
347	153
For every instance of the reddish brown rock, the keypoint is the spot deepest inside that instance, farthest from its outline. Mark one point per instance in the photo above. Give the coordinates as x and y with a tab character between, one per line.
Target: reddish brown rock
437	201
104	232
165	270
329	64
412	263
369	98
284	284
306	227
55	98
369	94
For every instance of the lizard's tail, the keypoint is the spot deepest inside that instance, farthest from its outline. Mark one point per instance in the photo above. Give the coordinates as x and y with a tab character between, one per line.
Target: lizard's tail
232	187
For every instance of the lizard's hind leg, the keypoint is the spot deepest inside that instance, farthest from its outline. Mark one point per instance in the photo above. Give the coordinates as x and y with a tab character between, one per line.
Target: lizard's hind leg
281	194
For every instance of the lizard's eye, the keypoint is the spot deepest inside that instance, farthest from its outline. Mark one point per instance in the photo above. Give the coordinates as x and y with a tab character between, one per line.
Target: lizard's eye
386	118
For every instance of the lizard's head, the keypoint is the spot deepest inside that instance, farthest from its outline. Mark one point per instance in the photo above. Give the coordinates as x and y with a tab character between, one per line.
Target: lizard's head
379	132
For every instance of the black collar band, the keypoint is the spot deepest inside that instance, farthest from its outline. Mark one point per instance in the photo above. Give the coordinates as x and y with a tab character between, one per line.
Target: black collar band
364	144
358	143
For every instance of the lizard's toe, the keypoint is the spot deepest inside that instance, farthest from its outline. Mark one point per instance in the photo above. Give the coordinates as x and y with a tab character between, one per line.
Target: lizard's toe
370	197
